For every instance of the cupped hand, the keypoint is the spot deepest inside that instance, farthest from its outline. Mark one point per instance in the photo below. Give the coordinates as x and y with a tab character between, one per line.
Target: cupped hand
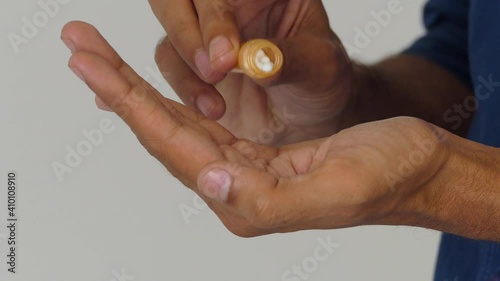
305	101
348	179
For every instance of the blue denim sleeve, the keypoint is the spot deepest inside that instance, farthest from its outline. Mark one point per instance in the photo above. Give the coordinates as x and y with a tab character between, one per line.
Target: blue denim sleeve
446	40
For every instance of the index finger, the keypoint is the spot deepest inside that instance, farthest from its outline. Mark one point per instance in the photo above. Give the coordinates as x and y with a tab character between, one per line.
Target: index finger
180	21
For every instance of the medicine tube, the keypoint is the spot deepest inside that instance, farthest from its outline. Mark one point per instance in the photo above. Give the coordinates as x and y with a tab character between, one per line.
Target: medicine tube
260	59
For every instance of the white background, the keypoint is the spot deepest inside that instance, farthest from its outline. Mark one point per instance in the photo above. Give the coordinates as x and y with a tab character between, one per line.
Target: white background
119	209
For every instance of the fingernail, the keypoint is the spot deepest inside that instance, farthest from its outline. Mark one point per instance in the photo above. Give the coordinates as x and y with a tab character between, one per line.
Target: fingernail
216	185
69	44
77	72
206	104
101	105
219	46
202	62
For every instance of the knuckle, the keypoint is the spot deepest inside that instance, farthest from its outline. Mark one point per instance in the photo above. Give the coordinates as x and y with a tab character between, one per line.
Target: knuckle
159	147
131	99
182	32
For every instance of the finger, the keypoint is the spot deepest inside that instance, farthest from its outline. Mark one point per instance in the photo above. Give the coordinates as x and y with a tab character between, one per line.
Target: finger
85	37
188	86
266	201
220	32
130	101
218	133
180	21
159	127
101	105
254	151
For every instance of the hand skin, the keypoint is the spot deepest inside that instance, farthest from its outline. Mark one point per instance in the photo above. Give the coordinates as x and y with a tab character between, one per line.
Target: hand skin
335	182
320	85
314	85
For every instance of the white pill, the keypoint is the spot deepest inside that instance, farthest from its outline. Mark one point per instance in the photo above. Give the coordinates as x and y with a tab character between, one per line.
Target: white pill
258	62
267	67
261	54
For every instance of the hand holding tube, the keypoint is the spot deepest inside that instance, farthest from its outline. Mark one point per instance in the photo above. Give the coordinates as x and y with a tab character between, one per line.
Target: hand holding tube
304	72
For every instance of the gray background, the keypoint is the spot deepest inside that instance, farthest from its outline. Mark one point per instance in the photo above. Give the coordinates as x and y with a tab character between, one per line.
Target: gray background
119	209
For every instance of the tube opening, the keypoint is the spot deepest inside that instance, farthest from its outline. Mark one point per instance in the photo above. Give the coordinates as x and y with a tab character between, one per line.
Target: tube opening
265	59
260	59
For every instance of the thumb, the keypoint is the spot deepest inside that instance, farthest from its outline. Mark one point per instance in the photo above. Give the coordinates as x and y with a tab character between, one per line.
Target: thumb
228	182
264	200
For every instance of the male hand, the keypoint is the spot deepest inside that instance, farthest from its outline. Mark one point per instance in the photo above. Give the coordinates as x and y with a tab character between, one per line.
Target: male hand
304	102
348	179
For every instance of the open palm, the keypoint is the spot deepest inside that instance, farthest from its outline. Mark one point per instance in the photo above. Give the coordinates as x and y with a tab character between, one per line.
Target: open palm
255	189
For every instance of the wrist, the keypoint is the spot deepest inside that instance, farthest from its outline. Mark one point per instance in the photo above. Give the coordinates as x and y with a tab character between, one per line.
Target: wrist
463	197
415	172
